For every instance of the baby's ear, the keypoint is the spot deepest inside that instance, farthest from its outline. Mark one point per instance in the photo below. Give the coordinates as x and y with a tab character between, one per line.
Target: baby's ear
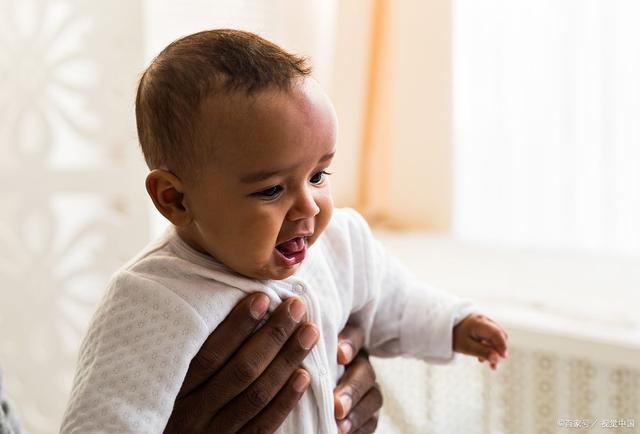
167	193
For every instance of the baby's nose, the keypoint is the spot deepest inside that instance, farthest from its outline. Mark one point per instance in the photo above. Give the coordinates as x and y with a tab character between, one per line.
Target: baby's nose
305	206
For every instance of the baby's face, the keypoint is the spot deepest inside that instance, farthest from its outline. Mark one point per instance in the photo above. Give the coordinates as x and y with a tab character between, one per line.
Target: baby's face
265	198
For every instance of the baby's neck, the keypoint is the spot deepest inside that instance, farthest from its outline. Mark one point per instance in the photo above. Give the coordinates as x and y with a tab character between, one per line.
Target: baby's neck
191	239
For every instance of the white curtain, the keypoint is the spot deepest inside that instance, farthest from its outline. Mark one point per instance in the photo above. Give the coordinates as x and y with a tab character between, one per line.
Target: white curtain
547	123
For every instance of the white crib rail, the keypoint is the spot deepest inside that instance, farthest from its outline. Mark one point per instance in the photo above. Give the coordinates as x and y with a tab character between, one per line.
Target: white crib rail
574	344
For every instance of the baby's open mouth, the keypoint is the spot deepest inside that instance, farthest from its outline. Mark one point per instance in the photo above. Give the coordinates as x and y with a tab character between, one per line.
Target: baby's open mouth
291	252
291	247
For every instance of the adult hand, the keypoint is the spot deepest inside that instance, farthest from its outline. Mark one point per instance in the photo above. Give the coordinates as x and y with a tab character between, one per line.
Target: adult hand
241	381
357	398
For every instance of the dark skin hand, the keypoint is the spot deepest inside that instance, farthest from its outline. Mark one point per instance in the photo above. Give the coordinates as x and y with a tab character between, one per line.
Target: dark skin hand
357	397
246	382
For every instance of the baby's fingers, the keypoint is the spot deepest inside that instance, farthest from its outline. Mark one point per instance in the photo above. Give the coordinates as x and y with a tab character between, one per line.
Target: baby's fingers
482	352
489	333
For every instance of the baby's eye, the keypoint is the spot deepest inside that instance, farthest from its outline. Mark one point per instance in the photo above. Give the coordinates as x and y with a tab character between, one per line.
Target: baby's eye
270	192
318	177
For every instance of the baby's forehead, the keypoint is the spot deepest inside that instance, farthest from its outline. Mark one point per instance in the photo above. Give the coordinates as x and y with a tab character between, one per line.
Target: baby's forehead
228	107
252	129
240	118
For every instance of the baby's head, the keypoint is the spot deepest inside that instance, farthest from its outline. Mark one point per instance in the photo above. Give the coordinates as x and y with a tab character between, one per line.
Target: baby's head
238	138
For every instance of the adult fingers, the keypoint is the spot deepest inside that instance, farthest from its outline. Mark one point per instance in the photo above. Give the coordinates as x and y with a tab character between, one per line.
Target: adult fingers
269	419
248	363
359	377
362	412
225	340
350	341
369	426
256	397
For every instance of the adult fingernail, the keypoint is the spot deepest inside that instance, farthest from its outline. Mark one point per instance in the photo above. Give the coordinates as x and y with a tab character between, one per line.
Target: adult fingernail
308	337
300	383
347	351
259	306
344	426
297	310
345	402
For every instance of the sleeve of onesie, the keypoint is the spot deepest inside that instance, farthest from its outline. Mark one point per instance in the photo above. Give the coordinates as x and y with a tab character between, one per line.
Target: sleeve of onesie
133	359
401	316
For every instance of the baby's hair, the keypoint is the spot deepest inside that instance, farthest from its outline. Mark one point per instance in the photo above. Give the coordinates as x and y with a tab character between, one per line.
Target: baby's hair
193	68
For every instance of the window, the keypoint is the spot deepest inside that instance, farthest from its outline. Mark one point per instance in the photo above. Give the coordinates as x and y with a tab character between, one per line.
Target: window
546	127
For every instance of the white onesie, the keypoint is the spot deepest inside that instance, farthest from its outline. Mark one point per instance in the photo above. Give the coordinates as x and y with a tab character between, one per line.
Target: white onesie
163	304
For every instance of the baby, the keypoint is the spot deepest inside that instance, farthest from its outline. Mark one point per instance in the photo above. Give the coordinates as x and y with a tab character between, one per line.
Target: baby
239	139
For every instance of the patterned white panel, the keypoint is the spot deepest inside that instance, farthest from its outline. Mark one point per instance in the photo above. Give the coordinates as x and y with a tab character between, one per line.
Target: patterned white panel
74	207
533	392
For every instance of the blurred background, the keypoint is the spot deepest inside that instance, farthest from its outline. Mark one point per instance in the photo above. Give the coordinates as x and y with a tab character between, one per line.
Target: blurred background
493	145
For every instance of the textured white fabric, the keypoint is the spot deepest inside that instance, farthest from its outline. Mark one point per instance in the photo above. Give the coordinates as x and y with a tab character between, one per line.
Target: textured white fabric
163	304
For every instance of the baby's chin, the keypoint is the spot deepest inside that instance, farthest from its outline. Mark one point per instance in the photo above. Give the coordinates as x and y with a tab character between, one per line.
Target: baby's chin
272	272
268	270
275	267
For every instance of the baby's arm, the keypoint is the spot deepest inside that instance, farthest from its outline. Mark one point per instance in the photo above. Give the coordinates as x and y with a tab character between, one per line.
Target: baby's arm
401	316
133	359
479	336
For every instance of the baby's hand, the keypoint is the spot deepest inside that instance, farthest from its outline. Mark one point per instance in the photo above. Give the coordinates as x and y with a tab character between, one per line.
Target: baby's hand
477	335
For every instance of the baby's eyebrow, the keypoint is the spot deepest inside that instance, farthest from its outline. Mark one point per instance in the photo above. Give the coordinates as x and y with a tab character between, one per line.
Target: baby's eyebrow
266	174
